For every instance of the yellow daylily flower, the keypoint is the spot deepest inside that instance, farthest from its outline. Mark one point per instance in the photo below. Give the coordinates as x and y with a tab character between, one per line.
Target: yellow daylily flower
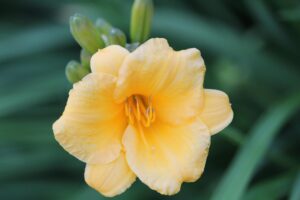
143	114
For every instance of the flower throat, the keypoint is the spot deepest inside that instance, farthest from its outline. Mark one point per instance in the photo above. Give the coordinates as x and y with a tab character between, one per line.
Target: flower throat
139	110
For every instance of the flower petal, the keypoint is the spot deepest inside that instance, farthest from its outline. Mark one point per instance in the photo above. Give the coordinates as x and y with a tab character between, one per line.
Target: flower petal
173	79
110	179
216	112
92	125
108	60
163	156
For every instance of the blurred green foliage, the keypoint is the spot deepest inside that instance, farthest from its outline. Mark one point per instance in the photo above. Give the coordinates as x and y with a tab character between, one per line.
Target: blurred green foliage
251	49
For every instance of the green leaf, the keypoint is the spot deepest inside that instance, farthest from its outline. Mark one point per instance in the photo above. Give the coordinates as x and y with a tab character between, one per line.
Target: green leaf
233	135
295	194
242	168
27	131
37	189
32	92
292	15
199	32
274	188
33	40
23	70
276	156
267	22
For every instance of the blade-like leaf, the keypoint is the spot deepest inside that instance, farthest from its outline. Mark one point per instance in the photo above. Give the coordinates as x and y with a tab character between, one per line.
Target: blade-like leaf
33	40
270	189
295	194
241	170
31	92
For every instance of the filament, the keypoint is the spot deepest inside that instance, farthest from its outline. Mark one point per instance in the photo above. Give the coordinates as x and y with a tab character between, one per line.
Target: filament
139	110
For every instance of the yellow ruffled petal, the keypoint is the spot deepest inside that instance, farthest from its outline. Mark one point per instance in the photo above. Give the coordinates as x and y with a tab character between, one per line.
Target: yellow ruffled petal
92	124
216	112
108	60
110	179
163	156
173	80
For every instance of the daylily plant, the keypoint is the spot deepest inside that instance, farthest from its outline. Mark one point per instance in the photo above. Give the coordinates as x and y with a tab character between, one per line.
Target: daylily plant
142	114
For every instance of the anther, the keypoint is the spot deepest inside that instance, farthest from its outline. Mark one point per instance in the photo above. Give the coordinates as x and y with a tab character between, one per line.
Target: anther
139	110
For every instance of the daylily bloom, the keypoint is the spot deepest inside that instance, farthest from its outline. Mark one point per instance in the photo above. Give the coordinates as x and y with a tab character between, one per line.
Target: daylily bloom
143	114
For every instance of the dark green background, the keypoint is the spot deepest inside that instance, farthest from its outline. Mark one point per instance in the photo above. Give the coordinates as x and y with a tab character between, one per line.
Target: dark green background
251	49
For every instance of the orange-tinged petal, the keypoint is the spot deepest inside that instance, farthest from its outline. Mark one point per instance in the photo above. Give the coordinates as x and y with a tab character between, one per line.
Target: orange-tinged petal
108	60
216	112
163	156
110	179
173	80
92	124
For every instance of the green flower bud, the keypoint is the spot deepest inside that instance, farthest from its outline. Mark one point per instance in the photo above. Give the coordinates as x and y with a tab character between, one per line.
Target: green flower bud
105	39
110	35
82	72
131	47
103	26
116	36
141	20
85	33
85	58
71	71
75	72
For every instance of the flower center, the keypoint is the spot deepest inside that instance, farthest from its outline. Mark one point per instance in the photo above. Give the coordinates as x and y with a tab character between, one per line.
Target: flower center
139	109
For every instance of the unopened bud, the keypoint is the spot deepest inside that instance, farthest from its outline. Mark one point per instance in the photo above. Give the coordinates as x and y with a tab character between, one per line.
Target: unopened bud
85	58
85	33
103	26
110	35
141	20
116	36
75	72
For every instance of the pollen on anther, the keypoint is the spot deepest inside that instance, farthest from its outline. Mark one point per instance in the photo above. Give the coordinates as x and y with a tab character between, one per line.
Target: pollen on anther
138	109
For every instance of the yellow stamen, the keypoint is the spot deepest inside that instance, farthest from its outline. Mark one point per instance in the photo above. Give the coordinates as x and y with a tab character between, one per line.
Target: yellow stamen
139	110
153	117
126	109
130	116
